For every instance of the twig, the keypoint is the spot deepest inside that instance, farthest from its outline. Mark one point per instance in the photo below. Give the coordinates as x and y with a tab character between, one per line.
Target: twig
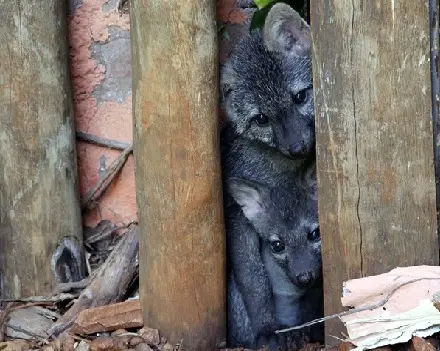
104	182
93	139
109	283
56	298
3	316
65	287
354	310
104	234
30	304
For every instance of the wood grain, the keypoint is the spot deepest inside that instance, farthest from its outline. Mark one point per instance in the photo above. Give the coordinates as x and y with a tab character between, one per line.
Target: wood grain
374	140
177	162
39	202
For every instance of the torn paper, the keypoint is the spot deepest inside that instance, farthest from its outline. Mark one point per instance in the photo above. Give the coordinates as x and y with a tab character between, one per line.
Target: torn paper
408	311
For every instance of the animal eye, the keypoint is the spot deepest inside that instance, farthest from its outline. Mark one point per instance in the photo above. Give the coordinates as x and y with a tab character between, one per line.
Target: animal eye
261	119
300	97
277	246
314	236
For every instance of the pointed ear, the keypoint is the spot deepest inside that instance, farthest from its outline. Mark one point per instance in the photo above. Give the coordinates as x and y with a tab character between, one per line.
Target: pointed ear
308	180
249	195
286	32
227	81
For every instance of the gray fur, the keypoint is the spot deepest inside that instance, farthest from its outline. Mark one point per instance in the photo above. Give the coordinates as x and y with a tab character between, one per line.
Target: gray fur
288	214
262	76
285	31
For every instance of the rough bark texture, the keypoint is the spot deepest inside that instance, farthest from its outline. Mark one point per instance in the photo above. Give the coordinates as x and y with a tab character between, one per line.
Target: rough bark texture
374	140
182	246
39	206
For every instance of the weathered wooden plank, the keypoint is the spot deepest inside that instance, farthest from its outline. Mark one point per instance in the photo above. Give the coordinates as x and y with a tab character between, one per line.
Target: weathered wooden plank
374	140
179	194
39	209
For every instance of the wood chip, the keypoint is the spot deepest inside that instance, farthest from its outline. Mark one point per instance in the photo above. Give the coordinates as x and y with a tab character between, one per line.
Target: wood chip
103	344
151	336
121	315
143	347
419	344
67	341
346	346
136	340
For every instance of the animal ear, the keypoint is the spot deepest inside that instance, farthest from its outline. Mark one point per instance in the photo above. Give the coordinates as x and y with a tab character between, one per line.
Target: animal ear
227	80
249	195
309	181
286	32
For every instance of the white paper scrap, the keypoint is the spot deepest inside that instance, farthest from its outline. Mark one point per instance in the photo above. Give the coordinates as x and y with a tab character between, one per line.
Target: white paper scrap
422	321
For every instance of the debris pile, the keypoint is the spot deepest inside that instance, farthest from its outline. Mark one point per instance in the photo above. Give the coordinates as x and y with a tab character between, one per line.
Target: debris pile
103	312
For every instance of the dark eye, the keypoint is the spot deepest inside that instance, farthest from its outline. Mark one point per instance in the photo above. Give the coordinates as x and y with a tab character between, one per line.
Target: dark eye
314	236
277	246
261	119
300	97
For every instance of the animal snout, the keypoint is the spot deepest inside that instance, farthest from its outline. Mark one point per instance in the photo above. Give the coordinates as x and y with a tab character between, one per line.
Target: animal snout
298	149
305	279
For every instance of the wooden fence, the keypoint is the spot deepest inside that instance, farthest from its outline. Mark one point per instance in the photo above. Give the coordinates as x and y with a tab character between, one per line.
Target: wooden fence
375	98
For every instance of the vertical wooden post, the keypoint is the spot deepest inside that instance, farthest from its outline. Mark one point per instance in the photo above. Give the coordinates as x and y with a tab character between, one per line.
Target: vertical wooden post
40	219
374	140
179	193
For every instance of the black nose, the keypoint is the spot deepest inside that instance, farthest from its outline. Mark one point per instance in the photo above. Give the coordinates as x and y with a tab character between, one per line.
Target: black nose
304	280
298	148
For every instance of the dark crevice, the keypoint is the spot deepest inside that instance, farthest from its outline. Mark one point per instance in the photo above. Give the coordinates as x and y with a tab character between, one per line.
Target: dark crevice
356	143
435	93
67	261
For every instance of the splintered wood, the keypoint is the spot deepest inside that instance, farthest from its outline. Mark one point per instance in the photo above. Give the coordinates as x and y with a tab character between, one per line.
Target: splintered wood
109	284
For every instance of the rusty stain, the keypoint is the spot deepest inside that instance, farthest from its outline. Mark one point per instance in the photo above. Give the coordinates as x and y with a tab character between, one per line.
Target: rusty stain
227	12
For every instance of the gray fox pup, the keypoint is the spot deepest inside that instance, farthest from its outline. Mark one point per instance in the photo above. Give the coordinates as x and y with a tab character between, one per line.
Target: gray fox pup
267	95
284	221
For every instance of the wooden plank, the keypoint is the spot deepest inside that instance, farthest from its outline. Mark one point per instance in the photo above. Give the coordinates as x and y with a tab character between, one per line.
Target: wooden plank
374	140
40	216
122	315
177	157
